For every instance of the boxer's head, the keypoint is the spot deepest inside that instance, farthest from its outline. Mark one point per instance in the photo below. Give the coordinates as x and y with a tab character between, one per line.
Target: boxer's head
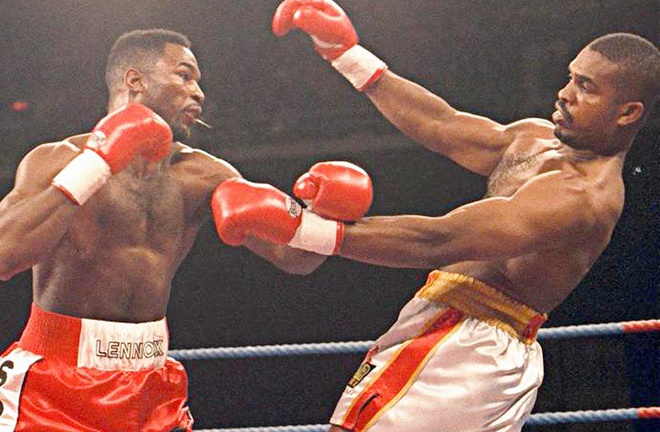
612	89
158	69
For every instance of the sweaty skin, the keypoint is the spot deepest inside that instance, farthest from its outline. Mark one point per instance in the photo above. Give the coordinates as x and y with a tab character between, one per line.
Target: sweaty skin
114	258
551	204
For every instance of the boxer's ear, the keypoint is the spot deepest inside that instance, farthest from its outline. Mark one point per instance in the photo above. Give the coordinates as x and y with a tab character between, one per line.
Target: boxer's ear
629	113
134	80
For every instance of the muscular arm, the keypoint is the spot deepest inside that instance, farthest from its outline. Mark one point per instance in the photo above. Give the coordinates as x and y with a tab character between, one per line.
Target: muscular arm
474	142
34	215
212	171
290	260
550	212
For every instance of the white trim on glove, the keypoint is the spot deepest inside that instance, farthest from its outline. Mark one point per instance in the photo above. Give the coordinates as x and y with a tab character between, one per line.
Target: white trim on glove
317	234
83	176
359	66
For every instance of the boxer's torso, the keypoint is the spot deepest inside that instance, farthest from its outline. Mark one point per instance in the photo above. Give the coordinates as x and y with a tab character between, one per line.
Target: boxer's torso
544	278
117	260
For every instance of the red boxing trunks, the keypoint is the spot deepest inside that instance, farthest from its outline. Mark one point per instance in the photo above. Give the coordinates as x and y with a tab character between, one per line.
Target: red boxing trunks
462	357
67	374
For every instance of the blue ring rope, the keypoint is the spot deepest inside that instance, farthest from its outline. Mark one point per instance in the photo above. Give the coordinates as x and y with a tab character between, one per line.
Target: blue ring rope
588	330
358	347
534	420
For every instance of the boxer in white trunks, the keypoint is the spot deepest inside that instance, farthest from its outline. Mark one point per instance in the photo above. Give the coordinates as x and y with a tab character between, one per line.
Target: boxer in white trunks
462	355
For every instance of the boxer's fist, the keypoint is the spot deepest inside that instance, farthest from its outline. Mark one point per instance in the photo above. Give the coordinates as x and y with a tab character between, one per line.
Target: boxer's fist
128	132
336	190
334	37
323	20
132	131
243	209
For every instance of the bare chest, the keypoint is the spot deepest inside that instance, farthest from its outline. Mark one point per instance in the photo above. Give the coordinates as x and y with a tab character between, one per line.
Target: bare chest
138	211
519	166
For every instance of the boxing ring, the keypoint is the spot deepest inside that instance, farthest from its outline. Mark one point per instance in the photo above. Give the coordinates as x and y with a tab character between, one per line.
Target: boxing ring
361	347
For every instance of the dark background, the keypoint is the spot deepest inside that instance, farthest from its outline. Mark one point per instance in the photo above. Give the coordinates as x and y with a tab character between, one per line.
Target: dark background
277	108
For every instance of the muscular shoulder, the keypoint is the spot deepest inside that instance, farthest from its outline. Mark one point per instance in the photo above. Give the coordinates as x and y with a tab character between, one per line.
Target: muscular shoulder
199	173
530	127
45	160
578	204
596	211
202	165
52	150
38	167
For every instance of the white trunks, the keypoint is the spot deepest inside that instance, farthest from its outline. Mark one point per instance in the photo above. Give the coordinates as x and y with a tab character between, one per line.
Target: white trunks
461	357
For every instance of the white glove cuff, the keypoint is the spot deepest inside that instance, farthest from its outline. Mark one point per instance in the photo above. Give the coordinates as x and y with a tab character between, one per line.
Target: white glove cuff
359	66
316	234
83	176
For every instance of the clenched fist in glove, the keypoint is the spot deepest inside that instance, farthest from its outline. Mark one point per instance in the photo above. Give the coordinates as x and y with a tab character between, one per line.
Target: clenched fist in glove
129	132
243	209
336	190
334	37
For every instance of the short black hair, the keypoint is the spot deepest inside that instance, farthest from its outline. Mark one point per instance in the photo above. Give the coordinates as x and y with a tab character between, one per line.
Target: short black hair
138	48
639	60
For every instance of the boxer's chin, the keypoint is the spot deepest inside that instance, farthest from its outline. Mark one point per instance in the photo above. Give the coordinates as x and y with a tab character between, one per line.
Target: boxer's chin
180	132
562	134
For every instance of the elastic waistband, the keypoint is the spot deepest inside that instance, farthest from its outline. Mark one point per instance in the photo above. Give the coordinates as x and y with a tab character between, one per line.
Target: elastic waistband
483	302
95	344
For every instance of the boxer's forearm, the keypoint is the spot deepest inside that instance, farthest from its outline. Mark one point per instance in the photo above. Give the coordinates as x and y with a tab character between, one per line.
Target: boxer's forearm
287	259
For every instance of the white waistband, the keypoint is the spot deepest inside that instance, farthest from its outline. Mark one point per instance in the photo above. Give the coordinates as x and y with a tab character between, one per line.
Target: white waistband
108	345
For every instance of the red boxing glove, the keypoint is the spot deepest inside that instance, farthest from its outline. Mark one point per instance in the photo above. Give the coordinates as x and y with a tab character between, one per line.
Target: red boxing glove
336	190
323	20
334	37
243	209
131	131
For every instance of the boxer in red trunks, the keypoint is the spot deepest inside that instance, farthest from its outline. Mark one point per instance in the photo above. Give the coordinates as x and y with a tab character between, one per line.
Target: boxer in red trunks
104	219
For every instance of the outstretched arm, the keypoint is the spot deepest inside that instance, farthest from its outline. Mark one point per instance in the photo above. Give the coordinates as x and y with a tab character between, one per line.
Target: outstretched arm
287	259
247	213
549	212
203	173
477	143
552	212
